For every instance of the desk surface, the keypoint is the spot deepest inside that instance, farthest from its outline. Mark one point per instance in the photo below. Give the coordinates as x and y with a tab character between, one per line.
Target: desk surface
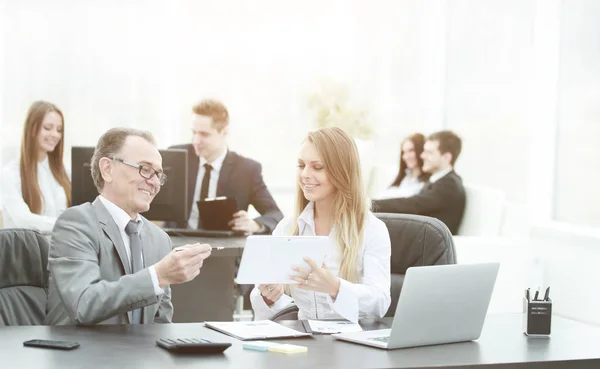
502	345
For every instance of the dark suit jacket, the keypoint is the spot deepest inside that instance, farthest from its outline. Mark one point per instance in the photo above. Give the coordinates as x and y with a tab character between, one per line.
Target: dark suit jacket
241	179
444	199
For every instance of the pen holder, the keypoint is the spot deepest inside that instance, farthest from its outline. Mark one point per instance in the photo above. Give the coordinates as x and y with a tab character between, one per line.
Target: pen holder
537	317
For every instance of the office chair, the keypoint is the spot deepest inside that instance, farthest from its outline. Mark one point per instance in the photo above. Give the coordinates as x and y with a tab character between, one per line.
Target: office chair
287	313
416	241
24	282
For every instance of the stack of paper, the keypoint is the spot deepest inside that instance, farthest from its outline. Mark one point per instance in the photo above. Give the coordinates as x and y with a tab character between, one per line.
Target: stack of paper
262	329
333	326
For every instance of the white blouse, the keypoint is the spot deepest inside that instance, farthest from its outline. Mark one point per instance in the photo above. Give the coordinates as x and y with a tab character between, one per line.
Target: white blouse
369	298
409	186
16	212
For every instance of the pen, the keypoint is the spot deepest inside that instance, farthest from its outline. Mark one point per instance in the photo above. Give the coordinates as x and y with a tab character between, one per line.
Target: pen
212	248
547	294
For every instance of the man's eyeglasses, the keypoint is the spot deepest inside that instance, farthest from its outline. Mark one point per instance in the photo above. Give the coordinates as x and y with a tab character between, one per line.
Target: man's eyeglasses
146	171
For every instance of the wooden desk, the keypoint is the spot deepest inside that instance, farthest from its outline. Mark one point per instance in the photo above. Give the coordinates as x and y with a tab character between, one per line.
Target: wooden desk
502	345
210	296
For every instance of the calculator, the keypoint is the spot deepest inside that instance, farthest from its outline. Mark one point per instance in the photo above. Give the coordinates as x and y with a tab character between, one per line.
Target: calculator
192	345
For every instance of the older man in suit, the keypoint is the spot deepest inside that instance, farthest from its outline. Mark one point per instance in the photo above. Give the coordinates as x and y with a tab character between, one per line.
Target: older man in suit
107	263
214	171
443	197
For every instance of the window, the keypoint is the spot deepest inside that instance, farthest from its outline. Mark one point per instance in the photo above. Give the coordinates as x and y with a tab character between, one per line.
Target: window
578	150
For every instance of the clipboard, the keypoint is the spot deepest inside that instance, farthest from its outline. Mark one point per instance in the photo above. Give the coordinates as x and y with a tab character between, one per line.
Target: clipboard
216	213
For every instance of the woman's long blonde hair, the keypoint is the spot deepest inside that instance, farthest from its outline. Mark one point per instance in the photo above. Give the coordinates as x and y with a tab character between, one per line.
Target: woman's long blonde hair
350	208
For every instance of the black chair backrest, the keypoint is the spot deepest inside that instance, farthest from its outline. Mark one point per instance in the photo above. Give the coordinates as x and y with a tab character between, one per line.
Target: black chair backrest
416	241
24	281
288	313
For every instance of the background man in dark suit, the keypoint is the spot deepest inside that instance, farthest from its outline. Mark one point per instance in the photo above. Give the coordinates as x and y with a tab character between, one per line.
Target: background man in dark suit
444	196
215	171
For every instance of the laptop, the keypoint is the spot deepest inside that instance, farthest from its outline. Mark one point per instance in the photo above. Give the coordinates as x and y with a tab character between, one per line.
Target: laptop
438	304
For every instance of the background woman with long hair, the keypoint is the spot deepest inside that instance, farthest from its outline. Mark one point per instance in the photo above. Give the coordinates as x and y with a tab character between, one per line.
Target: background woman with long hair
354	280
36	189
410	178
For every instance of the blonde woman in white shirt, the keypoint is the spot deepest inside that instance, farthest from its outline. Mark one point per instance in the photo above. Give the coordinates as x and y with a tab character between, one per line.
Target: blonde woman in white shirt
411	178
354	280
36	189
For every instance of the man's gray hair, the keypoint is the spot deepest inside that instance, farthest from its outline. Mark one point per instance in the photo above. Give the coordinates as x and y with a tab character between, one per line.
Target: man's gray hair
109	145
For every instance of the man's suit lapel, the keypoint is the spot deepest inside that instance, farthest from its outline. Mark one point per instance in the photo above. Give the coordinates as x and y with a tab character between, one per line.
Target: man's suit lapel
225	174
112	231
110	228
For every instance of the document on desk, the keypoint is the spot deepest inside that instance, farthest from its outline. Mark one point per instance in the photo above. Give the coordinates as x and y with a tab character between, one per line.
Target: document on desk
256	330
333	326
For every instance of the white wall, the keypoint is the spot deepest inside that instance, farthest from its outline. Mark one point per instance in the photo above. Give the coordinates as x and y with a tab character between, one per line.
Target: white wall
519	267
559	255
569	256
578	110
2	59
418	66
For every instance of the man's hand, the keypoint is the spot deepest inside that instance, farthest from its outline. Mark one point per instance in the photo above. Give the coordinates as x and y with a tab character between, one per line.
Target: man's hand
242	222
181	264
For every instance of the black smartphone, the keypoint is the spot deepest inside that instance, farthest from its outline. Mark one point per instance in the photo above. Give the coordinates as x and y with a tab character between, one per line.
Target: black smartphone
58	345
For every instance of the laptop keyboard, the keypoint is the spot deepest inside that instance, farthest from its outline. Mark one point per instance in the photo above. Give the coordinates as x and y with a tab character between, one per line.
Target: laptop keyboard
380	339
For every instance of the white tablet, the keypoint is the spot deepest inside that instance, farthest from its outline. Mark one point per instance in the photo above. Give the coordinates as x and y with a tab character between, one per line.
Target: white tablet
269	259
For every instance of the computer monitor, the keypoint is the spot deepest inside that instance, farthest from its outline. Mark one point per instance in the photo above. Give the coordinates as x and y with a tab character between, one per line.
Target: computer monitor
170	204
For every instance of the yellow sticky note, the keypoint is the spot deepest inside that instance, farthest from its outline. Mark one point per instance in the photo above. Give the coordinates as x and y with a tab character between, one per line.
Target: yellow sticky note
288	349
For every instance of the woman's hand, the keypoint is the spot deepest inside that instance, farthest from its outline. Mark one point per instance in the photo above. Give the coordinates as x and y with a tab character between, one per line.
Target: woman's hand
318	279
270	292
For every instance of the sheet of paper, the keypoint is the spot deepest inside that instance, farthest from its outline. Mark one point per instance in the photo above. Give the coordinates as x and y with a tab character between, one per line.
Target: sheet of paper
261	329
333	326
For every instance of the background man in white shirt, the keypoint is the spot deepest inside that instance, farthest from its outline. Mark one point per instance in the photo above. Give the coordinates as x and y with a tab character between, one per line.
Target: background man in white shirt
107	263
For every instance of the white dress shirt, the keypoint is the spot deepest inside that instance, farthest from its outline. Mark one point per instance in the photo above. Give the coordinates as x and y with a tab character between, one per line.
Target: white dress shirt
436	176
369	298
16	212
409	186
121	218
217	164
